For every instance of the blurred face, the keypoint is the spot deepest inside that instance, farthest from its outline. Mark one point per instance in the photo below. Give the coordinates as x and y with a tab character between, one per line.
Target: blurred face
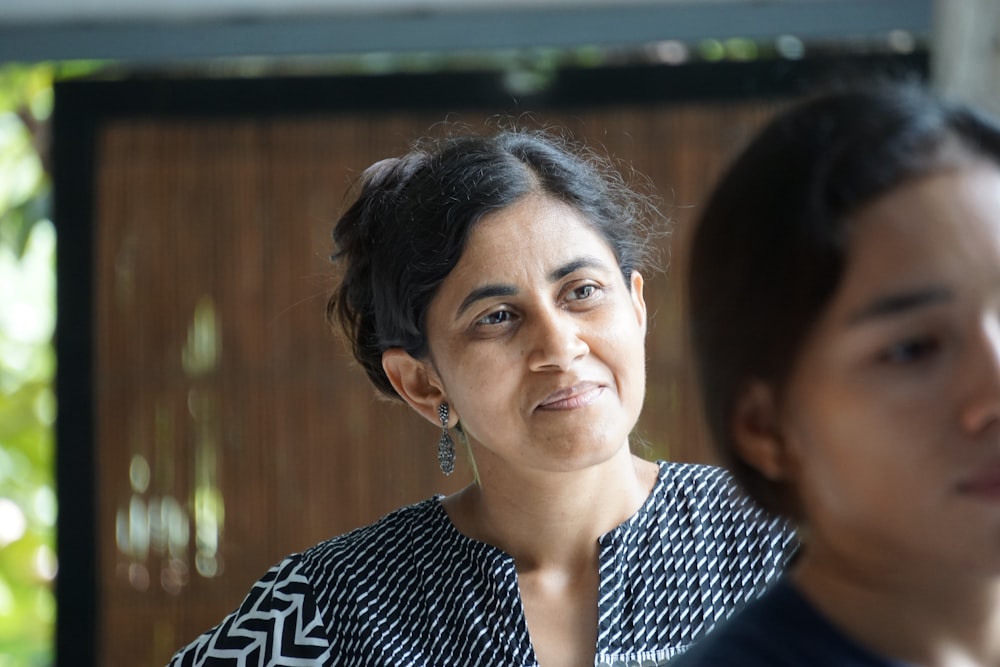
892	415
538	341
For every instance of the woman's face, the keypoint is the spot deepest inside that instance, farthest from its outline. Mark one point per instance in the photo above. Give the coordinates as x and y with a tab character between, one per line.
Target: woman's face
892	415
537	340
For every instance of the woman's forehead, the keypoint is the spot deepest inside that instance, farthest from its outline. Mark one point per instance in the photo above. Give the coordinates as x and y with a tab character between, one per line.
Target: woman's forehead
940	229
536	226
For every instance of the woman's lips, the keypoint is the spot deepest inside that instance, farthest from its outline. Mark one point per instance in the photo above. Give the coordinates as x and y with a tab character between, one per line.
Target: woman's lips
985	484
579	395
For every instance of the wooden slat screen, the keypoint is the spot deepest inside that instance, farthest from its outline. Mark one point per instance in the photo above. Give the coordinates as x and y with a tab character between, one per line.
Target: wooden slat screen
232	427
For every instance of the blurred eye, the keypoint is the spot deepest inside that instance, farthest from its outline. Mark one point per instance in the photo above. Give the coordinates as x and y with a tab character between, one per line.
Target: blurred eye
910	351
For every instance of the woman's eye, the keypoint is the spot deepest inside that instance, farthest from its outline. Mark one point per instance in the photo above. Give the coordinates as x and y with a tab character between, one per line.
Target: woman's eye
909	351
582	292
494	318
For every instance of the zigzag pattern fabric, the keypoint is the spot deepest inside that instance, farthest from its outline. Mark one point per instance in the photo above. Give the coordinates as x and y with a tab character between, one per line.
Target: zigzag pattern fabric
411	590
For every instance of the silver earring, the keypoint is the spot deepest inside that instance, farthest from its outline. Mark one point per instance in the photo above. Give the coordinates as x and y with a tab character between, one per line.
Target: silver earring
446	446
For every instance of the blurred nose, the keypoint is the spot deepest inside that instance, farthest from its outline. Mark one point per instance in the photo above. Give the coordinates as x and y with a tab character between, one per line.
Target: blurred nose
556	341
982	410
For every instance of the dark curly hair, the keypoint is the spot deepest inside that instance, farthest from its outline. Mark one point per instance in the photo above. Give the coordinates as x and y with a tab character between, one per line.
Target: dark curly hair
409	224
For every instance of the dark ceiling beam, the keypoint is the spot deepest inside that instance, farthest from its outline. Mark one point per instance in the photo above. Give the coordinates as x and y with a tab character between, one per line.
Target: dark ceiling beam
270	35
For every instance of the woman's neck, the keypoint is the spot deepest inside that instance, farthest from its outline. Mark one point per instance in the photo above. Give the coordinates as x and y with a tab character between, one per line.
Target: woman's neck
550	522
895	610
550	519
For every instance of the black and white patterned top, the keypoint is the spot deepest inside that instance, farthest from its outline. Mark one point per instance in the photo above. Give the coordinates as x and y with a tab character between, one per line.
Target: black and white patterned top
411	590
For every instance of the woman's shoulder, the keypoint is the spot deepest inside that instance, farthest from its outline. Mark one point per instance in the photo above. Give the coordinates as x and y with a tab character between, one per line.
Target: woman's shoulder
309	592
391	536
701	483
706	499
704	486
694	476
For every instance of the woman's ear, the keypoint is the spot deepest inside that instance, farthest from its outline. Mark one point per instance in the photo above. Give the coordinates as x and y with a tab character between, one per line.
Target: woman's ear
416	382
638	300
757	434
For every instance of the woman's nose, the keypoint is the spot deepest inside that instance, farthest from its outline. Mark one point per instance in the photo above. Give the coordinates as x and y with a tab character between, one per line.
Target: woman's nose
556	341
982	408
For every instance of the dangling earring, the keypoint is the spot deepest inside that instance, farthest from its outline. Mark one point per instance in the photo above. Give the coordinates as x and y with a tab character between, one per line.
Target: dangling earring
446	447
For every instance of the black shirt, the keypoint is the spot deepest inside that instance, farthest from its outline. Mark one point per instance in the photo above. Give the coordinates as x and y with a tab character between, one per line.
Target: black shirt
781	629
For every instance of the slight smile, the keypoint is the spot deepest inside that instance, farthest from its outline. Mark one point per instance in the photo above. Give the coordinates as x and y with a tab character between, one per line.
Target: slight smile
578	396
984	485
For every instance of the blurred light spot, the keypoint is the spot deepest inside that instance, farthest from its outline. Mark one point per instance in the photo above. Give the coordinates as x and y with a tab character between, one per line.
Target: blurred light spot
525	81
209	506
208	565
741	49
377	61
670	52
138	529
41	103
201	351
46	564
790	47
157	528
138	473
178	528
590	56
173	576
27	287
711	49
902	42
45	505
12	522
209	517
138	576
45	407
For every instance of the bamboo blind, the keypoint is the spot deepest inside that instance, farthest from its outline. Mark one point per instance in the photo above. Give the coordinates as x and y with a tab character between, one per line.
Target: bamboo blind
232	428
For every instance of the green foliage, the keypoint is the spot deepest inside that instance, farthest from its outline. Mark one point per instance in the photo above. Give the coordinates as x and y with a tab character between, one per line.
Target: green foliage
27	363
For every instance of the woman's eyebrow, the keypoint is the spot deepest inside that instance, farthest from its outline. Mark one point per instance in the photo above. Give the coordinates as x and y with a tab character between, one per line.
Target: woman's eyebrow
584	262
484	292
901	302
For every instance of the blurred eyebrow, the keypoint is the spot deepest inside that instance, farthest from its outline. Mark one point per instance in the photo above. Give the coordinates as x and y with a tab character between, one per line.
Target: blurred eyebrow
560	272
901	302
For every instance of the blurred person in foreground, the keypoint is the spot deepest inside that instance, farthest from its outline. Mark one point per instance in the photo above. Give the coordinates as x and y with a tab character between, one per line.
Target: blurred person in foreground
845	310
